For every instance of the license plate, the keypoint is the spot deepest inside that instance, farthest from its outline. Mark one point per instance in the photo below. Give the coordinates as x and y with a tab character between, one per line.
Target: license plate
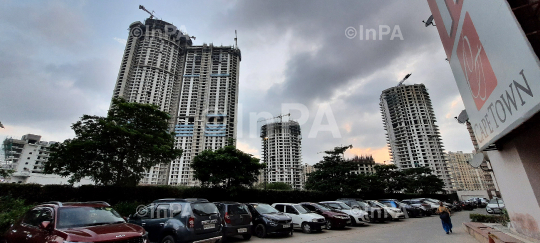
286	225
242	230
209	226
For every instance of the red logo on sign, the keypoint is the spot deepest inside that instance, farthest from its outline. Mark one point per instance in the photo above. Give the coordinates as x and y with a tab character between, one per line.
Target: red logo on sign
475	64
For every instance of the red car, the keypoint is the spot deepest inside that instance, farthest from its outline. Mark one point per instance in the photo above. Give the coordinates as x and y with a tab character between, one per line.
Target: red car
334	219
56	222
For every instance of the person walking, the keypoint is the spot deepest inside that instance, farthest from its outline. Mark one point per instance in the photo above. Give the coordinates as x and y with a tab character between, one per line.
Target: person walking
444	214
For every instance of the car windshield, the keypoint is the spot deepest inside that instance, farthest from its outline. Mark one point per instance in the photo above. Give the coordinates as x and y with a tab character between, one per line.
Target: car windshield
265	208
344	206
73	217
433	201
363	204
300	209
204	209
494	201
323	208
355	203
378	204
415	202
387	203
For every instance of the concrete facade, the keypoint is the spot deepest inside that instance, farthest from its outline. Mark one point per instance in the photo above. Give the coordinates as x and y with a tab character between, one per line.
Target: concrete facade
411	133
282	153
464	176
196	85
366	165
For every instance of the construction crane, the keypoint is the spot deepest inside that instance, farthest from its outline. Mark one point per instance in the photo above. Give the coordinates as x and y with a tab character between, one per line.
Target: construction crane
406	77
144	9
280	117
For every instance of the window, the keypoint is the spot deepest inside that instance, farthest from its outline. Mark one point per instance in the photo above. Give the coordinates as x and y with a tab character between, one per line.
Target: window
291	210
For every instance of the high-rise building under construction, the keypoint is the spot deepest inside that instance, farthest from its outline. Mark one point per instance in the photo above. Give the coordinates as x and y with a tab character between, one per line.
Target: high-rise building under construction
196	85
412	136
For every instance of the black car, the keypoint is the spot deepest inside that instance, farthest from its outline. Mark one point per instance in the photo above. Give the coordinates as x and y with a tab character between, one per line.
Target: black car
375	213
268	220
236	219
176	220
425	209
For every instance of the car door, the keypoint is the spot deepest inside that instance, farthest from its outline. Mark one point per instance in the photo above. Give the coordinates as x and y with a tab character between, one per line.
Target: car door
44	235
156	222
296	219
29	228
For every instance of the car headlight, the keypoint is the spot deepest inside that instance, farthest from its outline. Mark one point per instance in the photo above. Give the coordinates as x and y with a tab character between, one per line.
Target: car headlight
272	222
315	220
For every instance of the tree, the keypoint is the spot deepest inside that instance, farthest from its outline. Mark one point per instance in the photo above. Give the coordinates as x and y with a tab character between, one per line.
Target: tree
279	186
420	180
117	149
333	173
6	173
226	167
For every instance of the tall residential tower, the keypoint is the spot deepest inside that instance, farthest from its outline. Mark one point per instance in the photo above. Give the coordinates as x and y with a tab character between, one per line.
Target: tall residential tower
196	85
411	133
282	153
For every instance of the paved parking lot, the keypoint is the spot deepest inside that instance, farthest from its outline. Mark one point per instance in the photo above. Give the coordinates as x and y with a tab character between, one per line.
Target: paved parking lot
417	230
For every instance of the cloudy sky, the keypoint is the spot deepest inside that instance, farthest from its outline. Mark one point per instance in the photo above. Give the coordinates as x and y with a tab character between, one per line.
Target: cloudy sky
59	60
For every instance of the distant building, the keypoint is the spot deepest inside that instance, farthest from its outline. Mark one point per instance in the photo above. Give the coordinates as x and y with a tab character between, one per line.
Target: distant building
282	153
27	156
306	170
196	85
365	164
412	135
464	176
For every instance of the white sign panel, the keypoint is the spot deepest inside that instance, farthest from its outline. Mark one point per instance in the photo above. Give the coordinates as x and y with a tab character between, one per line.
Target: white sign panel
496	69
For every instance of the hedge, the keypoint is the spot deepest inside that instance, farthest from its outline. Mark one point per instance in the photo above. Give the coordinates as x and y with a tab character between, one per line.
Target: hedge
482	218
34	193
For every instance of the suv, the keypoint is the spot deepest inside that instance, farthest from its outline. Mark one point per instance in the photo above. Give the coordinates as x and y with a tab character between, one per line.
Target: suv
179	220
426	208
236	219
74	222
267	220
301	218
334	219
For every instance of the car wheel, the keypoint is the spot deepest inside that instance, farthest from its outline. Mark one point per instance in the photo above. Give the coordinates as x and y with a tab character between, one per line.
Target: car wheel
306	228
329	225
292	231
260	231
246	237
167	239
353	221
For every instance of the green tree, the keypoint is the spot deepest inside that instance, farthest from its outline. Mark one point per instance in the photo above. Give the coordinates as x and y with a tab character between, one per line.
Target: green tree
6	173
226	167
279	186
117	149
334	173
391	179
421	180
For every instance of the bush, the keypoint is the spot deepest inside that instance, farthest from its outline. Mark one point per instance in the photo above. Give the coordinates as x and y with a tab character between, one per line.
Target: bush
127	208
279	186
11	210
482	218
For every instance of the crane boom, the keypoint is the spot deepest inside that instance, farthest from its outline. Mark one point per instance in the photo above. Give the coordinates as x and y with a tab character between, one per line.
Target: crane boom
144	9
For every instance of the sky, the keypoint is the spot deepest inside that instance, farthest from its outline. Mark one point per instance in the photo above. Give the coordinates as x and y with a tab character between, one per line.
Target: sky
60	59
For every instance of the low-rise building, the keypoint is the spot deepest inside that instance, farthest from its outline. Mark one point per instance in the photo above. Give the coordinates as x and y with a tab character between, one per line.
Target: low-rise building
365	164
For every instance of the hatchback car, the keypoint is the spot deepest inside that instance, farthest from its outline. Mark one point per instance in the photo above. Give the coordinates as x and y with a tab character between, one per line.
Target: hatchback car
395	213
74	222
301	218
175	220
334	219
268	220
236	219
409	210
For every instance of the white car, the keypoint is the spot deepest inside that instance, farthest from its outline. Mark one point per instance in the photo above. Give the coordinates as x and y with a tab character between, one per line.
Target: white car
301	218
396	213
358	216
495	205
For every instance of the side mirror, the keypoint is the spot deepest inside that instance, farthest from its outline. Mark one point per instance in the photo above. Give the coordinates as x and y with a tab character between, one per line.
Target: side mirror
45	225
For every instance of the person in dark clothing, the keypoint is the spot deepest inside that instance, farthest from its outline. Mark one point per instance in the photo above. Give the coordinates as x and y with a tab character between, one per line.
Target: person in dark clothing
444	214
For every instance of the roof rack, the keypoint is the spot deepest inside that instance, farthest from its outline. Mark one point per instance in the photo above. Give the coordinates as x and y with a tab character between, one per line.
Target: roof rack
89	202
54	202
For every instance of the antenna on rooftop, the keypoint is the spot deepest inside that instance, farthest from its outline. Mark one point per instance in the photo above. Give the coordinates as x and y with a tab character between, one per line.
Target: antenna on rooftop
429	21
235	39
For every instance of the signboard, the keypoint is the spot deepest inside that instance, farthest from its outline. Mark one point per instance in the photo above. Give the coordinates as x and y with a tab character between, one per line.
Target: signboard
496	69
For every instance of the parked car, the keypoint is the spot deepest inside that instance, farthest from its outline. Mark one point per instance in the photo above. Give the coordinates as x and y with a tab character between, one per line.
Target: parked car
466	205
334	219
408	210
268	220
175	220
495	205
357	215
395	213
434	206
74	222
236	219
426	208
301	218
373	214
